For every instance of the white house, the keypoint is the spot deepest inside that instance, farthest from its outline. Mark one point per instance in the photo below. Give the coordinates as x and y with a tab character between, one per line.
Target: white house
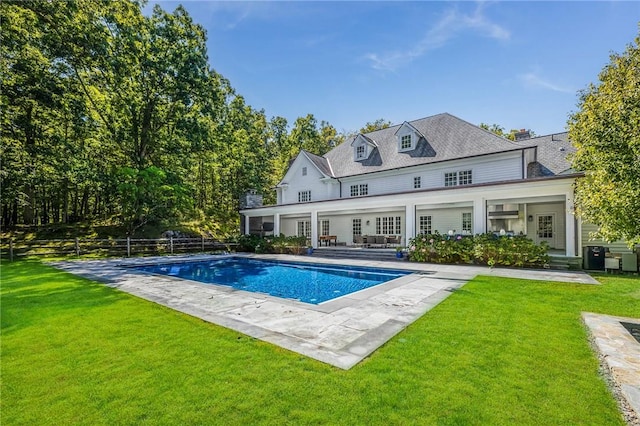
438	173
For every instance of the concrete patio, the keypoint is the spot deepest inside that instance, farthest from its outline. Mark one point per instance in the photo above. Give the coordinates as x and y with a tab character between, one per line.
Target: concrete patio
340	332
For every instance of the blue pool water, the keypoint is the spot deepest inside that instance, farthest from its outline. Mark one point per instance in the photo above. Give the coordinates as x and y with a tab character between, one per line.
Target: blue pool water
310	283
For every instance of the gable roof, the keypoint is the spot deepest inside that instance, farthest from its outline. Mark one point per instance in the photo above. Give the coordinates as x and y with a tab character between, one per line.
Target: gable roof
444	137
365	138
320	162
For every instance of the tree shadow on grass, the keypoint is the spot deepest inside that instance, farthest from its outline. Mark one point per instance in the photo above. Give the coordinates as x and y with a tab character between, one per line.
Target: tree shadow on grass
32	292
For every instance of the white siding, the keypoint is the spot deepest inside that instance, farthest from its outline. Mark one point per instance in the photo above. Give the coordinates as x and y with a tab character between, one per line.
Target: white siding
297	182
444	220
558	210
499	167
614	247
341	225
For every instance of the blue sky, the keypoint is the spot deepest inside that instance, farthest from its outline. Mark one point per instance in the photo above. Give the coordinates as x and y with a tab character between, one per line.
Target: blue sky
518	64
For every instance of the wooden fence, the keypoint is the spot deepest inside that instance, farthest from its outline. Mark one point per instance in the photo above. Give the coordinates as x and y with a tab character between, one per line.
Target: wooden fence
111	247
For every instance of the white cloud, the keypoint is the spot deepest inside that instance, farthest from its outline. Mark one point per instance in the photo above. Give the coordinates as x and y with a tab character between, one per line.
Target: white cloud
533	80
448	27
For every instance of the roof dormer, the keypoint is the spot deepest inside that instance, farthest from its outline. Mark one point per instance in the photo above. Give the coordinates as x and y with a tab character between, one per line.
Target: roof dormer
407	137
362	147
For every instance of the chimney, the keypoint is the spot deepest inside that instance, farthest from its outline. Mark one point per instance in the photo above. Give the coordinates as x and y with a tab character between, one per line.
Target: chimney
251	200
522	135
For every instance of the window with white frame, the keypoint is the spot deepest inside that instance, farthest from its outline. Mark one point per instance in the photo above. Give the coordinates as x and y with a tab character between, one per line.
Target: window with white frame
424	224
304	196
466	222
304	228
465	177
324	227
356	226
405	142
361	189
388	225
304	171
451	179
361	152
417	182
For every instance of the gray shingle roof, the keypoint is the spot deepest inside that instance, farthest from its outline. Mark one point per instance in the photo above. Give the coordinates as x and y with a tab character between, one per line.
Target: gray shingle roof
553	151
320	162
445	138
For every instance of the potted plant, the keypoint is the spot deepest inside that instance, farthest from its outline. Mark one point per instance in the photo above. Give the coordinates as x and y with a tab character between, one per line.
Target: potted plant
309	250
399	252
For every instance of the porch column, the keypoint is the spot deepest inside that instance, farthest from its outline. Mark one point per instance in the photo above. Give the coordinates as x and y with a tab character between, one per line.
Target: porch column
247	221
276	224
479	216
314	228
410	225
570	226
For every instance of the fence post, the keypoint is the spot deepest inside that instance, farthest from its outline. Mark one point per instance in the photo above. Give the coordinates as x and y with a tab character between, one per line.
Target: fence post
128	246
11	250
77	247
203	243
171	244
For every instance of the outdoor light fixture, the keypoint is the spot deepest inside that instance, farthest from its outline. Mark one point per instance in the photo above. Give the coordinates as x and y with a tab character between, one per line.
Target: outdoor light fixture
530	218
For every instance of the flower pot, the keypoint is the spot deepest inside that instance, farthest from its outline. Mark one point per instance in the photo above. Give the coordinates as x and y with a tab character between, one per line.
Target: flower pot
399	254
309	251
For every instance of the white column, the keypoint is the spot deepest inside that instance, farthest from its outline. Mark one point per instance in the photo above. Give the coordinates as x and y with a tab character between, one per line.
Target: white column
410	225
247	219
314	228
479	216
570	227
276	224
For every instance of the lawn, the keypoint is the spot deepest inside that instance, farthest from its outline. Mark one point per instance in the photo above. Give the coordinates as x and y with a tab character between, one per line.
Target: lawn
498	351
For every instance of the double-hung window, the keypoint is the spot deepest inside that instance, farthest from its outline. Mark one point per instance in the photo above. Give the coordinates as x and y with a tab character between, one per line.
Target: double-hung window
451	179
405	142
304	196
417	182
361	189
463	177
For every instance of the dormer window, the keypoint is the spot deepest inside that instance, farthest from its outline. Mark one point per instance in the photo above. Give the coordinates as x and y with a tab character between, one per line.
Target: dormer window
405	142
407	137
362	147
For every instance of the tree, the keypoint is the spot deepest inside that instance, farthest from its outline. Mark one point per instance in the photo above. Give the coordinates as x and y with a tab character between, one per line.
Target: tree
379	124
606	133
499	130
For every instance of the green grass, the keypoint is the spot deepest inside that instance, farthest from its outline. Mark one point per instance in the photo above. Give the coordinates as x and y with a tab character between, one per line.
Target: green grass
498	351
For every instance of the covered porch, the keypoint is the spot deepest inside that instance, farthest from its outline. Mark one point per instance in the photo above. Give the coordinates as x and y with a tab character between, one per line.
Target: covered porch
544	215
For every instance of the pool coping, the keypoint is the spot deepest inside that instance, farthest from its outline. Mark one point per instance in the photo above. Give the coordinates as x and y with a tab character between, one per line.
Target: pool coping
620	356
340	332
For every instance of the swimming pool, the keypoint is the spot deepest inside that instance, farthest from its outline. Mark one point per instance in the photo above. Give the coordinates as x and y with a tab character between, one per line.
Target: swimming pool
306	282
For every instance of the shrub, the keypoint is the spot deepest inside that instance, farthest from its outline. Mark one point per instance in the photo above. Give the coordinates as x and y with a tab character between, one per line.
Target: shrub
272	244
481	249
